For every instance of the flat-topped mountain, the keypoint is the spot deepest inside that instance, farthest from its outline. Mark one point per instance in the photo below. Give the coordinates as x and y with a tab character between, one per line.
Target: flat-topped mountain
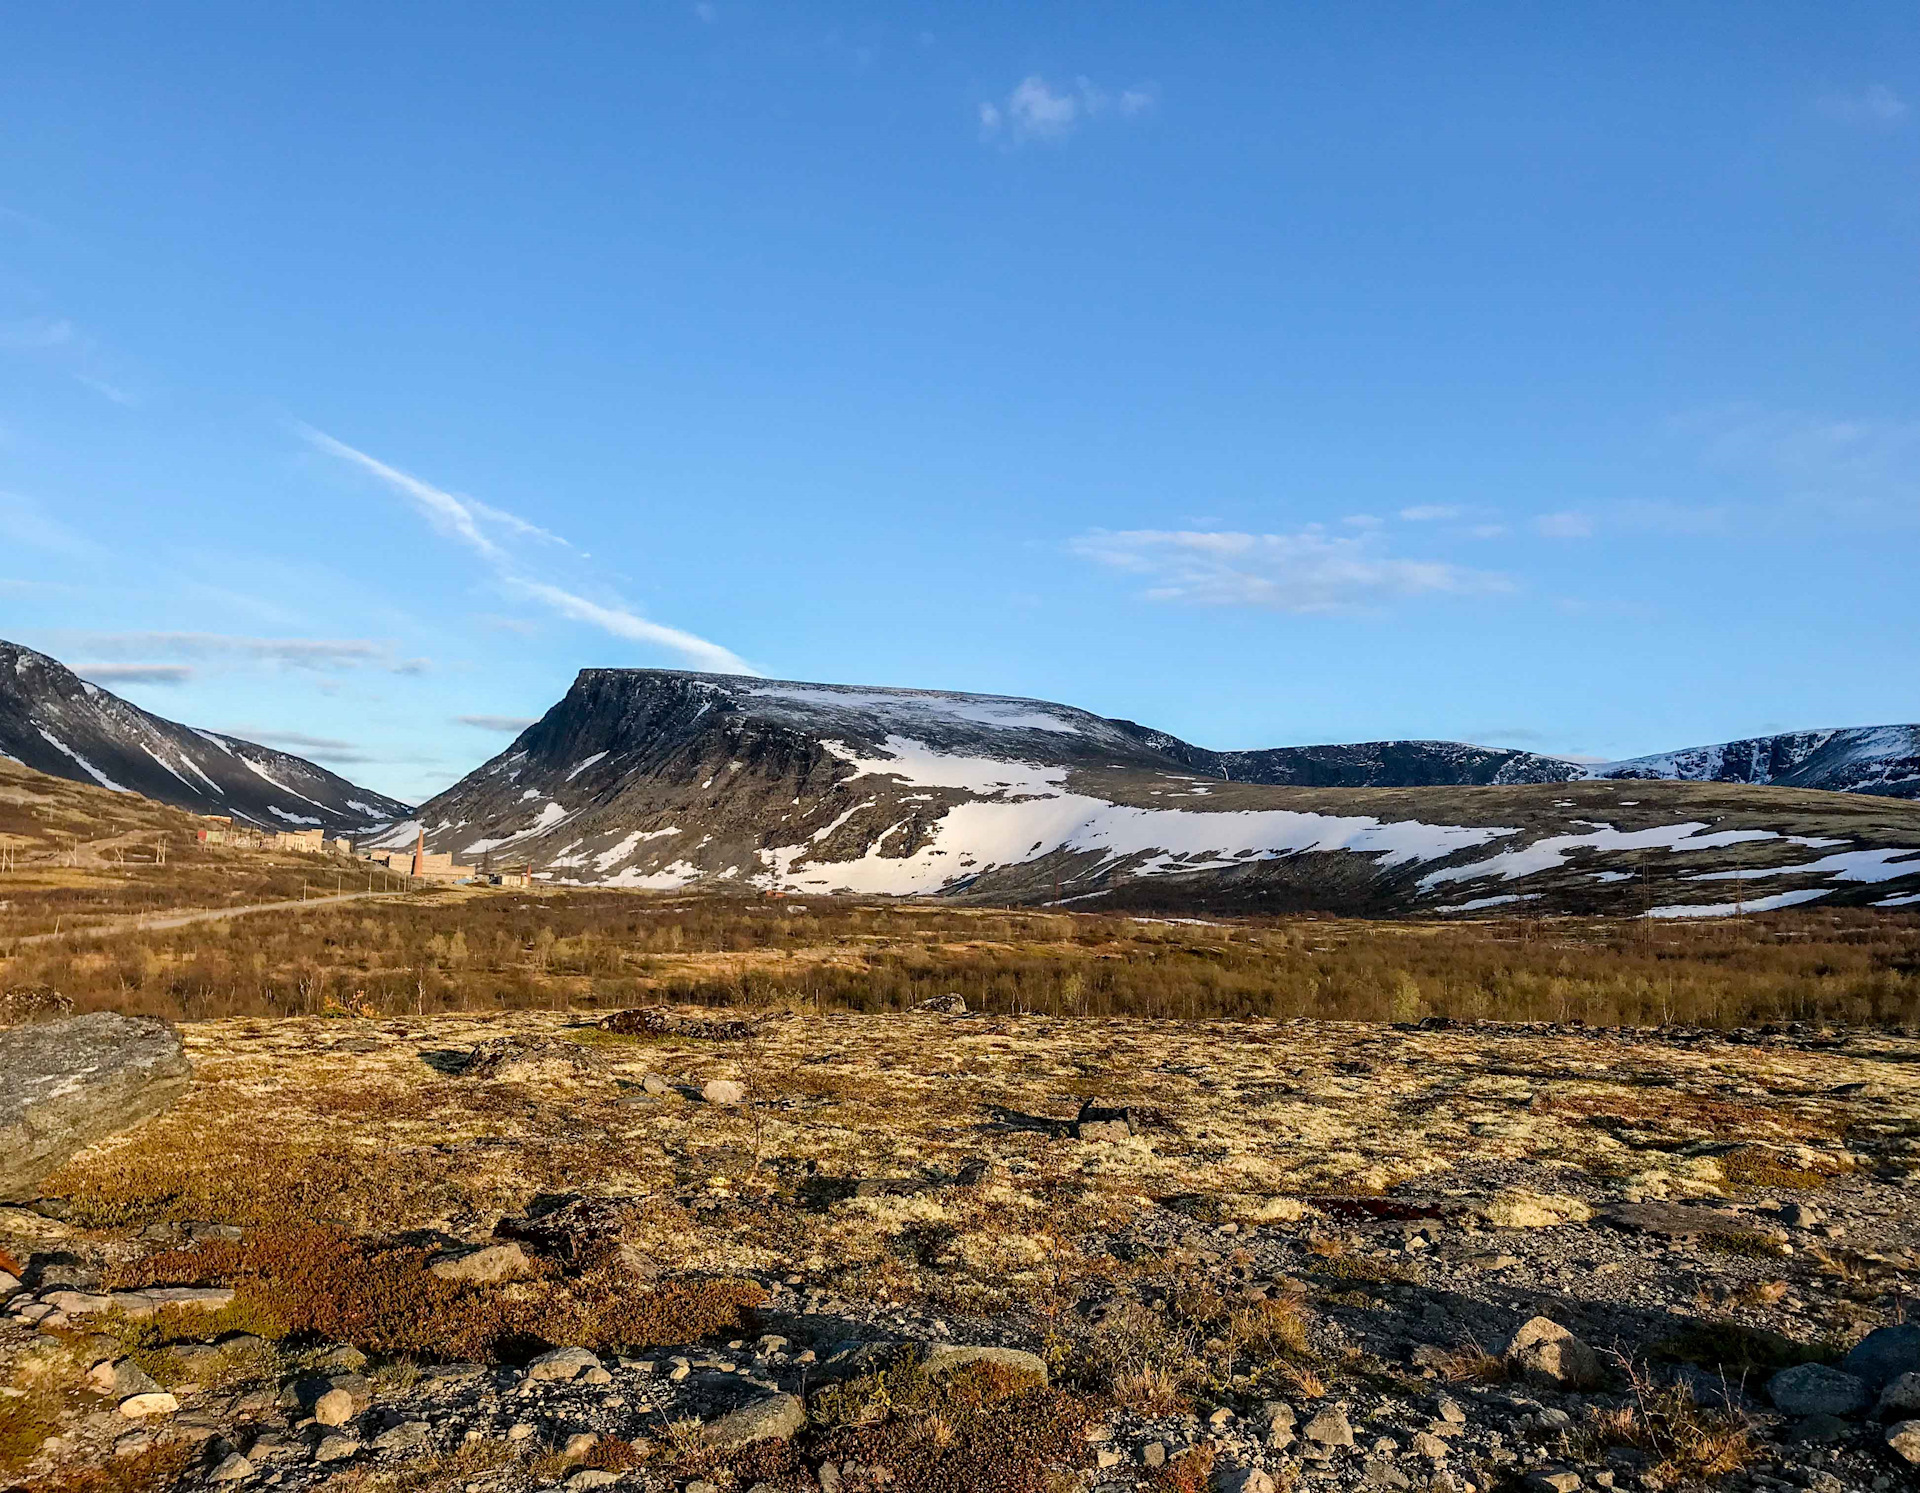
663	779
56	722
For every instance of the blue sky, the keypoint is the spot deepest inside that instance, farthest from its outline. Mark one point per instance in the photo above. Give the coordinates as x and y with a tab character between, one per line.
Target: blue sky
1535	375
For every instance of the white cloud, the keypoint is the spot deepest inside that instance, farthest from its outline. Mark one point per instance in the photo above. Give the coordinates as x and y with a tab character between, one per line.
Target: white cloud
1875	104
509	725
1488	531
1039	110
1362	521
140	649
467	520
118	674
1427	513
1563	526
1309	572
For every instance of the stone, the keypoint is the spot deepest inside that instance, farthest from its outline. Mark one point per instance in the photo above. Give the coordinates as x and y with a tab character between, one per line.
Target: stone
1516	1208
1549	1355
522	1430
408	1436
1901	1397
148	1402
231	1469
1329	1428
1448	1409
563	1364
1815	1389
578	1445
336	1446
569	1226
774	1417
592	1477
1553	1482
121	1378
722	1091
1429	1446
343	1356
1675	1221
951	1004
1242	1480
1153	1454
1821	1430
1903	1440
658	1021
1104	1122
333	1408
488	1262
944	1358
66	1084
1801	1215
657	1086
24	1223
1884	1354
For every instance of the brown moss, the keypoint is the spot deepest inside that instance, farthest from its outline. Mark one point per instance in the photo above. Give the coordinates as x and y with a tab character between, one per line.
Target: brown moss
149	1471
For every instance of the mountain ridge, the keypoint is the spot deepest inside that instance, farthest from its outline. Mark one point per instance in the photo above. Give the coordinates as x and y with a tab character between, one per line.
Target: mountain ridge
57	723
662	779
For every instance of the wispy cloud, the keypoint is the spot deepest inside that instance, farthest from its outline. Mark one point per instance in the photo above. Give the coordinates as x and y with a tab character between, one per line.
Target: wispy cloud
59	341
506	725
117	674
142	649
1310	572
318	748
1429	513
468	521
1563	526
1874	105
1039	110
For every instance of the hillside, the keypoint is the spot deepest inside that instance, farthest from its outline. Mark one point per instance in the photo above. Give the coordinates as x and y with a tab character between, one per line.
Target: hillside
55	722
1881	760
660	779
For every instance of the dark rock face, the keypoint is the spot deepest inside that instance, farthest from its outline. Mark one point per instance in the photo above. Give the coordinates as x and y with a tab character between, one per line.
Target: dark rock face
1881	760
66	1084
55	722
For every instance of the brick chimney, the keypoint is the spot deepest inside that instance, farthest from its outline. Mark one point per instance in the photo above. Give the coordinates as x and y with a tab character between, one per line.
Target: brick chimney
420	852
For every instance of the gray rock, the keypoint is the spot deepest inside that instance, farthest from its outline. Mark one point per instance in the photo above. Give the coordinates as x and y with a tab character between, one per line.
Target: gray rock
66	1084
944	1358
722	1091
1815	1389
336	1446
1107	1122
334	1408
1903	1439
1242	1480
1884	1354
657	1086
487	1262
592	1477
1553	1482
148	1402
408	1436
563	1364
1429	1446
774	1417
1548	1354
952	1004
1901	1398
1329	1428
231	1469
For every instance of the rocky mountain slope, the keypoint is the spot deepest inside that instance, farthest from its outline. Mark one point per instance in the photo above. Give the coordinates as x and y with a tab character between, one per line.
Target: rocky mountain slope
661	779
57	723
1881	760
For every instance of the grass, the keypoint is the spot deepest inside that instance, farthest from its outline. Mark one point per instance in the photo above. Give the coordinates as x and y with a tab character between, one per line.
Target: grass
461	950
321	1284
1690	1444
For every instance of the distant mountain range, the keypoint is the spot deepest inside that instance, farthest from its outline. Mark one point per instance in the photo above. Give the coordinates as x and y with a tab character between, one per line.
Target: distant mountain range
662	779
1882	760
56	722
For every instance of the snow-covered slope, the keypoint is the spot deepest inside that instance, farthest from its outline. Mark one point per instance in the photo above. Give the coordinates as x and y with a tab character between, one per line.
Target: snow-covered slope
660	779
56	722
1883	760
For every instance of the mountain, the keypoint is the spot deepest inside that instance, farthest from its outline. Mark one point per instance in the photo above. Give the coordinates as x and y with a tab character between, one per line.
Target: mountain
54	721
1883	760
661	779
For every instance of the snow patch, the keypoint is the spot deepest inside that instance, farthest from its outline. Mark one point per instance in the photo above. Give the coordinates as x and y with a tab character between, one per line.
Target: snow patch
1732	909
93	772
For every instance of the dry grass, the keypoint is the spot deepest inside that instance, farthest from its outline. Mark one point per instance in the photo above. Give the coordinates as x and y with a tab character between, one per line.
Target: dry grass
1690	1444
1190	1472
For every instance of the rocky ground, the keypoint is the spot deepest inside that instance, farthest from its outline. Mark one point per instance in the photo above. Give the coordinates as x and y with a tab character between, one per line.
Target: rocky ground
942	1251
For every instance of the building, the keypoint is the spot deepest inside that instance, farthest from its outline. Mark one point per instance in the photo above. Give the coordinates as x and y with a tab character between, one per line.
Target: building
301	841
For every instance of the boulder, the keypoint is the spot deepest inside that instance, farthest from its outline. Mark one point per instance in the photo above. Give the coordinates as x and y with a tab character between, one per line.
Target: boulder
567	1226
722	1091
1242	1480
528	1060
1903	1440
66	1084
658	1021
1330	1428
1099	1121
951	1004
148	1402
945	1358
1815	1389
1901	1398
774	1417
1884	1354
489	1262
1549	1355
564	1364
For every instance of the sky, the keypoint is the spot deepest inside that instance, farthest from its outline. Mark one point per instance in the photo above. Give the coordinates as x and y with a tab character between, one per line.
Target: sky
1541	376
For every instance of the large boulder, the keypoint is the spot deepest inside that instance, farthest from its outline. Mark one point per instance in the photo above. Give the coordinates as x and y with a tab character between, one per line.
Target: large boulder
66	1084
1815	1389
1548	1354
1884	1354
